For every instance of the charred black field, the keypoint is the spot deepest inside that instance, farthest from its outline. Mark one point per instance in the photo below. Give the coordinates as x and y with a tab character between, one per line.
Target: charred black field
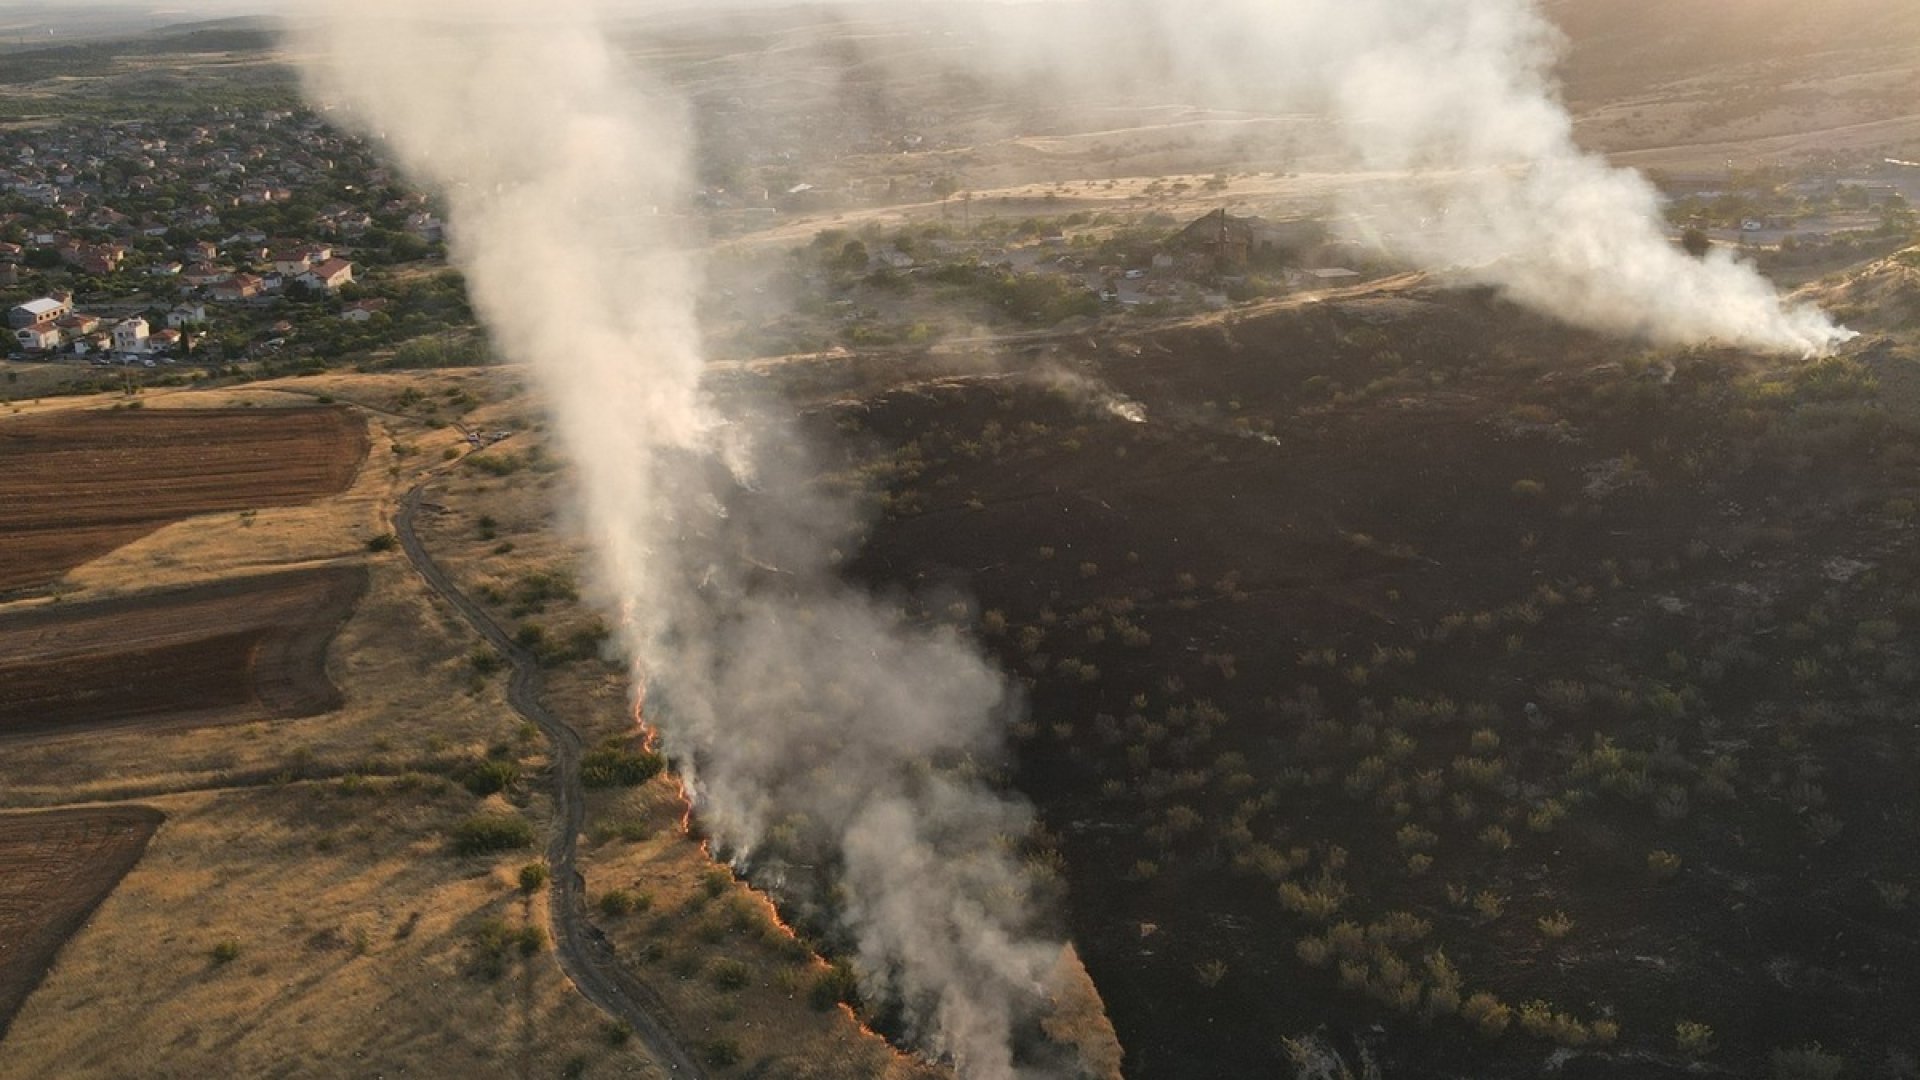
1416	681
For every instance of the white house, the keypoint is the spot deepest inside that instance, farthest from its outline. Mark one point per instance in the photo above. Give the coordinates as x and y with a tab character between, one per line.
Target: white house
40	337
131	336
186	315
362	310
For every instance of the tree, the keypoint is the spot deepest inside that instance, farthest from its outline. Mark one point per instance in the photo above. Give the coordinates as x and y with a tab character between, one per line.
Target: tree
1696	242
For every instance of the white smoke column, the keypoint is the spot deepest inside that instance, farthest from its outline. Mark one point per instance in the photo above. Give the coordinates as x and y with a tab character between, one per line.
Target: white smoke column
1447	114
801	710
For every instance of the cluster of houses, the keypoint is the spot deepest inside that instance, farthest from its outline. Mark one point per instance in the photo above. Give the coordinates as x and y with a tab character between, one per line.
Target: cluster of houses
50	324
155	209
272	265
150	177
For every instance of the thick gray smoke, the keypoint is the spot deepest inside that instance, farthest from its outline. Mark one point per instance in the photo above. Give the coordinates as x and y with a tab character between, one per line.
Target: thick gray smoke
815	729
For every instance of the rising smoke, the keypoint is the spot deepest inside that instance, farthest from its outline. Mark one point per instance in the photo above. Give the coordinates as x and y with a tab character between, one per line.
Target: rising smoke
840	749
1445	118
815	728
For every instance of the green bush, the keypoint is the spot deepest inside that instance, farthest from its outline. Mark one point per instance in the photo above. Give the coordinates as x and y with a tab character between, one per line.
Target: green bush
383	542
613	765
226	952
486	833
534	876
483	778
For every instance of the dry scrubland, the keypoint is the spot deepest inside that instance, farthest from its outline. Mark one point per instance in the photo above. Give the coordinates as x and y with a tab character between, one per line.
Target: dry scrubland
301	911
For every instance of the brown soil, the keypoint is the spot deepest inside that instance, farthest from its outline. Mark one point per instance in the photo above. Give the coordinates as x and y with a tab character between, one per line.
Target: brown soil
78	484
55	868
237	650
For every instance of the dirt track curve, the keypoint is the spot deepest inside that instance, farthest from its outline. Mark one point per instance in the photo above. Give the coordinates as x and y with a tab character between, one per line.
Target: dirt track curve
585	955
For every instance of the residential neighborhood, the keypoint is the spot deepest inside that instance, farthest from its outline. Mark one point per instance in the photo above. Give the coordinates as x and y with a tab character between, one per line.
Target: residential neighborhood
209	238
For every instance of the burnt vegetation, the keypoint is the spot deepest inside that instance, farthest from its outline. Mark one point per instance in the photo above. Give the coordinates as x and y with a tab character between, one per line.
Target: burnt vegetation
1510	703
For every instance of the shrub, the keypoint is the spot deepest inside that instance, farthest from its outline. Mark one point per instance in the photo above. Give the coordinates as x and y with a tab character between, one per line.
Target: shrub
1805	1063
1314	951
226	952
1487	1014
493	940
486	833
835	985
731	975
383	542
1693	1038
721	1053
533	877
1555	926
484	778
619	902
1663	865
612	765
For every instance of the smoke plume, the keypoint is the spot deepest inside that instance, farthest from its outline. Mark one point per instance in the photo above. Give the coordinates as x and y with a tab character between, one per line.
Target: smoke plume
843	750
818	731
1444	116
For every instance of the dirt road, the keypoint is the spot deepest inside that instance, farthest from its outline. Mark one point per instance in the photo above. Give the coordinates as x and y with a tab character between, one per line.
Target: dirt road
584	952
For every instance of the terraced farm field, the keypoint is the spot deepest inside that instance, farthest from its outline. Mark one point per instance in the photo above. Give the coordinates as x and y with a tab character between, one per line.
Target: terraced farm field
55	868
78	484
240	649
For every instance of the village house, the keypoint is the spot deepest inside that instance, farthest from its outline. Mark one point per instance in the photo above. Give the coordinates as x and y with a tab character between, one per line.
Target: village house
131	337
236	288
92	345
40	337
330	275
186	315
76	324
202	275
362	310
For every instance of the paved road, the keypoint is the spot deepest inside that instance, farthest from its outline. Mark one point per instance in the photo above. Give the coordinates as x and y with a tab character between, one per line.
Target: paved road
584	952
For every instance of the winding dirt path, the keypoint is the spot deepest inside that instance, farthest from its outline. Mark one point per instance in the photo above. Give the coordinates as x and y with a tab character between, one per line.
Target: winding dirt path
584	952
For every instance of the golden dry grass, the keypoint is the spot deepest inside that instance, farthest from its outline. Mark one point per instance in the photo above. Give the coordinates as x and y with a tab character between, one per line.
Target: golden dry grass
311	845
354	931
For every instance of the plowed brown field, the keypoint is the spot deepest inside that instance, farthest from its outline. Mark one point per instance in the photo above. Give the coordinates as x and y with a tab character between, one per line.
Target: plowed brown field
55	868
236	650
76	485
